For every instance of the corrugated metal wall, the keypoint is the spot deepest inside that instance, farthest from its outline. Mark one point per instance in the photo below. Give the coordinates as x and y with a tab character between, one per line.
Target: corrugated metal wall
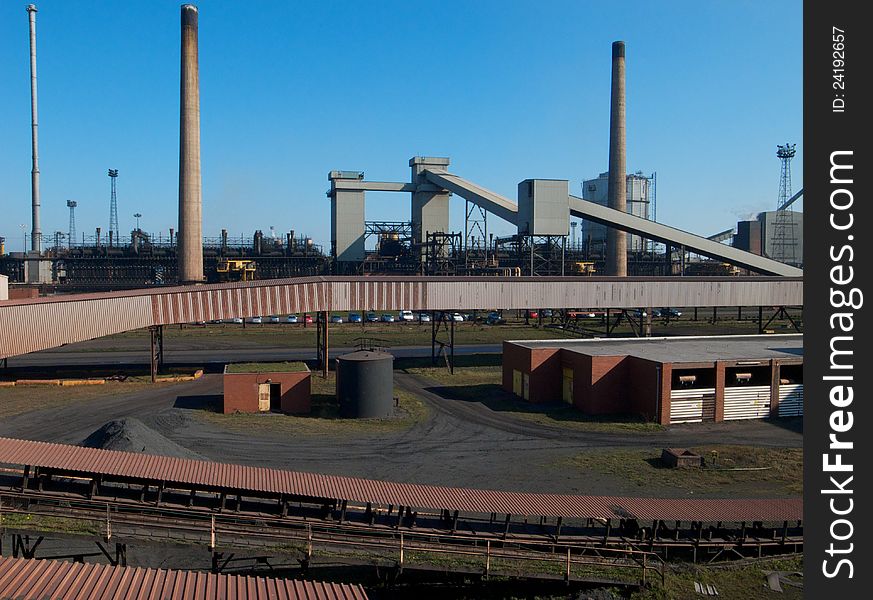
790	400
746	402
28	327
693	405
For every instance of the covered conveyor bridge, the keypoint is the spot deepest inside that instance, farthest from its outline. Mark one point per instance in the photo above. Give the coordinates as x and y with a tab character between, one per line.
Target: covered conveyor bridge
41	323
164	472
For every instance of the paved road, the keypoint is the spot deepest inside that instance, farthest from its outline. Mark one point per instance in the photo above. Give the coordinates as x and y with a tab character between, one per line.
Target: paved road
63	356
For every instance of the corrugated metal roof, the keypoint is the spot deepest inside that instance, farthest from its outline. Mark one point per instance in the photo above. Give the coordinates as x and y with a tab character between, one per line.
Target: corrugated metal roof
187	473
31	579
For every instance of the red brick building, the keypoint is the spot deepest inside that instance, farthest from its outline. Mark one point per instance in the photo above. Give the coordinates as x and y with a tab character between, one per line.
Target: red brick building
667	380
282	390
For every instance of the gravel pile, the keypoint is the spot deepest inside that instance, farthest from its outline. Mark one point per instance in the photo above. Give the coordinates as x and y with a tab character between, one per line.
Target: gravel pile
131	435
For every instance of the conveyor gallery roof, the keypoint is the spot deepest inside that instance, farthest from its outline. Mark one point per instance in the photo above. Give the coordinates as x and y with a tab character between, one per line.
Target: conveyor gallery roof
31	579
242	479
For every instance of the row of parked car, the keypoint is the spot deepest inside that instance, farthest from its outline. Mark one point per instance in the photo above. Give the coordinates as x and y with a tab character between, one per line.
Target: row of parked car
353	317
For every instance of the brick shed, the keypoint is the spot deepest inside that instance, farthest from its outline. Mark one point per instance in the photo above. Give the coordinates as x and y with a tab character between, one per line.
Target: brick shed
667	380
265	387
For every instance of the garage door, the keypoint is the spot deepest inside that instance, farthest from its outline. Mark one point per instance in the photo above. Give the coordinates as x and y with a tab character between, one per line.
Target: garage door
516	382
692	405
746	402
791	400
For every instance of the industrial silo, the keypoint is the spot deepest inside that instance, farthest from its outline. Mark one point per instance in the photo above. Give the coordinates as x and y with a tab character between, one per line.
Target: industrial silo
365	384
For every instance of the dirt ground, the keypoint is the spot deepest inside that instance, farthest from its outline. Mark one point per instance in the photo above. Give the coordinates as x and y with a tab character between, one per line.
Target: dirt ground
453	442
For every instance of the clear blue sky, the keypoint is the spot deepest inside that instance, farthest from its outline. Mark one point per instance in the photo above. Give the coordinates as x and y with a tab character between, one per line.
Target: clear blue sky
290	90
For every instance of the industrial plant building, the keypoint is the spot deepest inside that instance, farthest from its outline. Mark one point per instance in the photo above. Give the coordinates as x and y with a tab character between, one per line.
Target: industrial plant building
277	387
776	234
665	380
640	202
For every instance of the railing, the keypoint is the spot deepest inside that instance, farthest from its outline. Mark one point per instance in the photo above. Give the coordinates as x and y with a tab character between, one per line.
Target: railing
398	548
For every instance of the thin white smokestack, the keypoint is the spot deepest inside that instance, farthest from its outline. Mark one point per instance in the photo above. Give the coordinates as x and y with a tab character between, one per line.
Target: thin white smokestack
35	232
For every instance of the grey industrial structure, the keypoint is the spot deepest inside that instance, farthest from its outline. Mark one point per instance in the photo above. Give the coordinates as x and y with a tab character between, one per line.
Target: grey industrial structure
543	211
639	190
759	236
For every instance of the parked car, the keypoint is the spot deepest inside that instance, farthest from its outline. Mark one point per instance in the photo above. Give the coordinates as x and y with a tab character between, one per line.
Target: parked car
235	320
292	319
424	317
274	318
372	317
671	313
532	314
457	317
307	319
406	315
494	318
355	318
256	320
547	313
387	318
639	313
582	314
336	319
216	322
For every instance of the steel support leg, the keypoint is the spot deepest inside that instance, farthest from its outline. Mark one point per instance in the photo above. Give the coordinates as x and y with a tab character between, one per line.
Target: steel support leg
452	347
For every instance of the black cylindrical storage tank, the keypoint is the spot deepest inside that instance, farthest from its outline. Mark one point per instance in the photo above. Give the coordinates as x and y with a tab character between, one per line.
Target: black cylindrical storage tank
365	385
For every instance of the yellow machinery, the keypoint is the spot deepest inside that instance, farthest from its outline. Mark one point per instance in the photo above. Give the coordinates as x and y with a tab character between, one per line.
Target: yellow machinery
236	270
584	268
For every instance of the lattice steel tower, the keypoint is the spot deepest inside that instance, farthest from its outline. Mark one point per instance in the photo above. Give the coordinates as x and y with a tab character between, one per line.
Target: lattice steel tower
71	232
113	208
784	246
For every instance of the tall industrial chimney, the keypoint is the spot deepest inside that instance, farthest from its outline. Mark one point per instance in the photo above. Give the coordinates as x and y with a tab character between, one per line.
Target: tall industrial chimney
616	241
189	253
35	233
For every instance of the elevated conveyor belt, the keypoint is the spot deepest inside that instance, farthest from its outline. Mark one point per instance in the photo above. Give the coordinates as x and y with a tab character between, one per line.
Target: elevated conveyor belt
33	324
496	204
676	237
722	236
507	210
170	472
791	200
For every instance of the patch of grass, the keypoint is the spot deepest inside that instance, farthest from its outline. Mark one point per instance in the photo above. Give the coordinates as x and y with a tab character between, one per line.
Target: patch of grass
484	384
324	418
30	522
782	477
113	372
21	399
267	367
745	581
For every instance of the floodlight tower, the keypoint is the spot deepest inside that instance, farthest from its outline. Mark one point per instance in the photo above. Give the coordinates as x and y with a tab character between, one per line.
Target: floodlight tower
113	207
71	232
784	243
